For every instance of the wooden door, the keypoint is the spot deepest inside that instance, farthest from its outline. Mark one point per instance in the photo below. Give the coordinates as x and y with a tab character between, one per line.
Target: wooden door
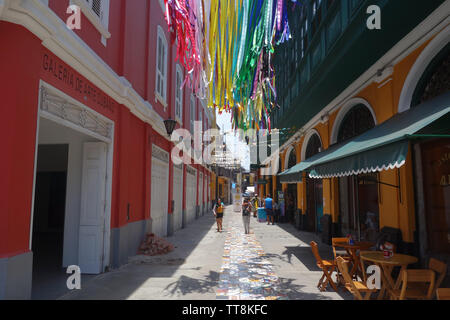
92	215
436	173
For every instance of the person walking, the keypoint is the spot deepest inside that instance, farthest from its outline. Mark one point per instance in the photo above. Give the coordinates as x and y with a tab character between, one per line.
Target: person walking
246	211
268	205
218	213
254	204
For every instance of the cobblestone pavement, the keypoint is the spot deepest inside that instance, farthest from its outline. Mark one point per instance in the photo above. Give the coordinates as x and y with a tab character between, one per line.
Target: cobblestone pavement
246	273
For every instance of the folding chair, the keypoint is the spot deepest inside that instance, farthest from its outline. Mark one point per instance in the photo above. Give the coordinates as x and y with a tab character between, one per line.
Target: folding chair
407	291
443	293
356	288
328	267
340	253
440	268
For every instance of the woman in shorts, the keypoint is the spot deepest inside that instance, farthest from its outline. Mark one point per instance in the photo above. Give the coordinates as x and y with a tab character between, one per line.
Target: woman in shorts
218	209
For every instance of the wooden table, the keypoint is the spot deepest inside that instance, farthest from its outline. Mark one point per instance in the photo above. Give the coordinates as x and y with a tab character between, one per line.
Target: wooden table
352	250
387	265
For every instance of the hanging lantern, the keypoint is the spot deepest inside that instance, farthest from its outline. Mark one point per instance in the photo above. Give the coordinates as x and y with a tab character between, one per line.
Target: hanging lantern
170	126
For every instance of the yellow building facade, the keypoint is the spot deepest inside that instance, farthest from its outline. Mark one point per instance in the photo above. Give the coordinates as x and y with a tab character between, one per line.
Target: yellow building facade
387	93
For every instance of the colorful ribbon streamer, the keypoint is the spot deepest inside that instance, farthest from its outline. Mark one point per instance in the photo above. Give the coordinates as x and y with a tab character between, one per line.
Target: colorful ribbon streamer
227	48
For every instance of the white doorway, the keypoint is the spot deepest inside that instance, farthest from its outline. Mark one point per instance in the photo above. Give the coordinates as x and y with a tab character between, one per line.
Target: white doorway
160	191
178	197
70	219
191	193
92	210
70	201
200	193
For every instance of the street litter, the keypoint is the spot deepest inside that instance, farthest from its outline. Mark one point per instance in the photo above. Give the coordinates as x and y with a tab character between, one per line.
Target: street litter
154	245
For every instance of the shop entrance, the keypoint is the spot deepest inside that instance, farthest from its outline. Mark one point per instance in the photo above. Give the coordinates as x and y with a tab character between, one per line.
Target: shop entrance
314	196
314	188
436	175
68	216
71	204
291	196
291	202
49	217
359	209
358	195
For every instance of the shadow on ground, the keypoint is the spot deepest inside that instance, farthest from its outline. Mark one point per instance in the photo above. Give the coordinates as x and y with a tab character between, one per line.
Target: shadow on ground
186	285
122	283
298	292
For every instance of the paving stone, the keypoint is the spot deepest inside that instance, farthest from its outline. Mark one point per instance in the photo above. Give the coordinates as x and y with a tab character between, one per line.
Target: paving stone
246	274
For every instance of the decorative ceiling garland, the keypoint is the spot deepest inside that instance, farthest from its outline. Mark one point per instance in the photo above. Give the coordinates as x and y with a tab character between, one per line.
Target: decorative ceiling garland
226	46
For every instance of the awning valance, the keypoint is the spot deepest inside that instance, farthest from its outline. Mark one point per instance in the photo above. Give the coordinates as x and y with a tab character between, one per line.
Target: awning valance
381	148
295	174
385	146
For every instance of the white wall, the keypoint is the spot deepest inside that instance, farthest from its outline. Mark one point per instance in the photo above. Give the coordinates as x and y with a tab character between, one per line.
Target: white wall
52	133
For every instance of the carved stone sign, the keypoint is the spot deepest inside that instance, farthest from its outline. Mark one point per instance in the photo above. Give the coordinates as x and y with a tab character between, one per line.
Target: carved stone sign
77	114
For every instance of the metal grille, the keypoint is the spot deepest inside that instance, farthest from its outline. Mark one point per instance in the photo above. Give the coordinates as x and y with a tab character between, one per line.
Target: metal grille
96	6
357	121
314	146
439	81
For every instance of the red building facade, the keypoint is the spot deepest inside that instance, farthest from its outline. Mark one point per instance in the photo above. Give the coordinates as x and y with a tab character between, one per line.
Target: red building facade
84	151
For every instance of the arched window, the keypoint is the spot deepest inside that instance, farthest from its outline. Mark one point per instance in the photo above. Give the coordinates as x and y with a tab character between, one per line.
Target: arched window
435	80
357	121
161	67
292	159
314	146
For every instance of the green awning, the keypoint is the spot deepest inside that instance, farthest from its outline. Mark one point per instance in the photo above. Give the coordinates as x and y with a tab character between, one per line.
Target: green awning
381	148
295	174
385	146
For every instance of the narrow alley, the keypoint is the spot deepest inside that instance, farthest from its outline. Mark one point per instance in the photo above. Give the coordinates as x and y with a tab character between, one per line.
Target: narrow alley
208	265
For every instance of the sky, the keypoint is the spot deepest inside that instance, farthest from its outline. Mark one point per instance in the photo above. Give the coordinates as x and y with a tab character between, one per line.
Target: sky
238	148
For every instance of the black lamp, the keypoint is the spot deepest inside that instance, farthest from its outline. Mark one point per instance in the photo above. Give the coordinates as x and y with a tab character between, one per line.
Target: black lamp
170	126
247	139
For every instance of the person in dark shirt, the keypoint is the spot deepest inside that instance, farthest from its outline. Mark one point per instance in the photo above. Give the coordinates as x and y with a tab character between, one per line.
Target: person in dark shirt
246	212
218	213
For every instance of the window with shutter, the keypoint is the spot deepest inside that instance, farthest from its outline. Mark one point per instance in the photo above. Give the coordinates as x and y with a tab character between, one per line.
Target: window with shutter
161	68
97	12
96	7
100	8
179	95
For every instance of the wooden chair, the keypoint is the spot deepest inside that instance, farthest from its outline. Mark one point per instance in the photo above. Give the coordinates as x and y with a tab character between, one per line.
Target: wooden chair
328	267
356	288
441	271
340	253
440	268
413	276
443	293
